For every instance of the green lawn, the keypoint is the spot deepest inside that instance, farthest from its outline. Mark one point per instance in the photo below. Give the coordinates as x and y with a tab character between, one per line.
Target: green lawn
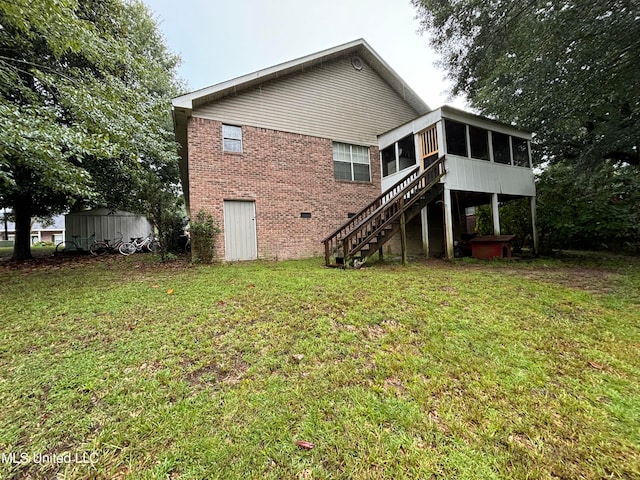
472	370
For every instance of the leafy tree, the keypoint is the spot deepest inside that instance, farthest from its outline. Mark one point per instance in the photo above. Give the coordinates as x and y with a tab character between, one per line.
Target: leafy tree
84	98
163	206
569	71
599	207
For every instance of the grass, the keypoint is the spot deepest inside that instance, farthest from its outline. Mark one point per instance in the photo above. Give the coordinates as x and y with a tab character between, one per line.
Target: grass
469	370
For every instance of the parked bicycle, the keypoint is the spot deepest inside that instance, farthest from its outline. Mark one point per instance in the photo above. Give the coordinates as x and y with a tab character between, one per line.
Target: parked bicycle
139	244
77	244
187	242
102	247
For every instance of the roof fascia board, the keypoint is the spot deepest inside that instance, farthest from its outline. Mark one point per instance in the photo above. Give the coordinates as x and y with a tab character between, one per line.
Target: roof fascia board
453	113
414	126
418	124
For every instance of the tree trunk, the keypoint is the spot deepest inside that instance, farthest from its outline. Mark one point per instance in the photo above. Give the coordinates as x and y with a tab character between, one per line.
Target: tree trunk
6	227
22	241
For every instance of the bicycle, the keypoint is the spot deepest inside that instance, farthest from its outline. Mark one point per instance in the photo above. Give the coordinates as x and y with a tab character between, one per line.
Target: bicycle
137	244
103	247
187	242
76	244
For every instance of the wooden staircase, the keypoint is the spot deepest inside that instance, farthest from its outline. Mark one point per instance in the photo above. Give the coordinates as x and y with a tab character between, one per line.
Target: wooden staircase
373	226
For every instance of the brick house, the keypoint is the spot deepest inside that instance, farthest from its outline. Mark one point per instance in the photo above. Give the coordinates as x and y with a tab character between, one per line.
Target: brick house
48	232
285	156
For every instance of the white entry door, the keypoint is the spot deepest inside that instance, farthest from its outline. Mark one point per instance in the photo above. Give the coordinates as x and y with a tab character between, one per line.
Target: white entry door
240	238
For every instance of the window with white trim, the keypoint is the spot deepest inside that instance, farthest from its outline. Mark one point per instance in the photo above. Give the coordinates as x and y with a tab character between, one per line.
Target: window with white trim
520	148
501	148
351	162
232	138
479	143
398	156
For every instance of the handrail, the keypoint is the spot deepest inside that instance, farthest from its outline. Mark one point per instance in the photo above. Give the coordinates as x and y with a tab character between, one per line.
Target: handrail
399	199
374	202
376	214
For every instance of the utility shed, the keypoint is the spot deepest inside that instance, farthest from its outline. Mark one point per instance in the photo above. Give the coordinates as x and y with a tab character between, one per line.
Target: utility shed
107	224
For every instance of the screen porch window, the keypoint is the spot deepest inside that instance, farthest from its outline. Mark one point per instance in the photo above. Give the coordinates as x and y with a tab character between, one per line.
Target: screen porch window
232	138
520	152
479	139
398	156
351	162
456	138
501	148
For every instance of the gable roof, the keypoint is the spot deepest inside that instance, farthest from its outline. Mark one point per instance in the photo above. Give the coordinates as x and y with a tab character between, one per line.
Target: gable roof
189	101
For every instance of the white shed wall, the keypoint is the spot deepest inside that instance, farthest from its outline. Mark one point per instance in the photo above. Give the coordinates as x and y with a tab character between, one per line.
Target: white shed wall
106	225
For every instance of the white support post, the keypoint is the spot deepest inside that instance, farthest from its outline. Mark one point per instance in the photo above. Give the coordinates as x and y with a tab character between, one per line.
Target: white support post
532	201
425	231
495	214
440	134
418	151
448	224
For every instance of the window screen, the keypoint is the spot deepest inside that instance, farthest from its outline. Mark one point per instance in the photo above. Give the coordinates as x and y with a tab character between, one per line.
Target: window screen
406	152
389	160
520	152
501	152
479	139
456	138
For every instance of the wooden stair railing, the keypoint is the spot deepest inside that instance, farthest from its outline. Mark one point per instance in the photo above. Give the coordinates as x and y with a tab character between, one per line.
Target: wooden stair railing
377	222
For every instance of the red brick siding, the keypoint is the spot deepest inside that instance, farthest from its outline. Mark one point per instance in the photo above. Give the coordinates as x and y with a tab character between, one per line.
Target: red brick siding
285	174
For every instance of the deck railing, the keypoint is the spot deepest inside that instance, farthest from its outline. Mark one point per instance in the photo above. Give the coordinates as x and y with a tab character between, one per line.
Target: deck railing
370	222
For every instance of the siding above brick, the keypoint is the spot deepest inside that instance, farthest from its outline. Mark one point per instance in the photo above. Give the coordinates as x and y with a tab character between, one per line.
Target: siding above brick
331	100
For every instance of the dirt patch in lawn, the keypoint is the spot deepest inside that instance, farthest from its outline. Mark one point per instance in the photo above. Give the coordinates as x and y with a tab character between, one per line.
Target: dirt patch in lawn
587	279
229	373
600	280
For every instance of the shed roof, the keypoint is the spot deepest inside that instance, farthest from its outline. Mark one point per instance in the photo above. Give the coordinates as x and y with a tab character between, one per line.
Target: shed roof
102	211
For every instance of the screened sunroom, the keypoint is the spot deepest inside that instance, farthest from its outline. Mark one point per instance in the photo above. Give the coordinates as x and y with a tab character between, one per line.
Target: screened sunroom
486	163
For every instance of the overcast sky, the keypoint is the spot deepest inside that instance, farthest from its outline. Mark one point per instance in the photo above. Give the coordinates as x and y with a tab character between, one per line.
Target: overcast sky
220	40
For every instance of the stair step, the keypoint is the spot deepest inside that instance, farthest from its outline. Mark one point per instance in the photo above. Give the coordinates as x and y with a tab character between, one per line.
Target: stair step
378	227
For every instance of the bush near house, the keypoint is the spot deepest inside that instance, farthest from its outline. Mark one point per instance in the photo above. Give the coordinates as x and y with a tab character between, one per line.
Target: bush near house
203	230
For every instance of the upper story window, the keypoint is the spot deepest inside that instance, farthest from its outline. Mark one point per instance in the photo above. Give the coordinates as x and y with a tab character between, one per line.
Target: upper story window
501	149
473	142
351	162
232	138
456	135
400	155
520	152
479	140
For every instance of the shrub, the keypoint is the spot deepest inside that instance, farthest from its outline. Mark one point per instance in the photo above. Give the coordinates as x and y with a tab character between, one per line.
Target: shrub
204	231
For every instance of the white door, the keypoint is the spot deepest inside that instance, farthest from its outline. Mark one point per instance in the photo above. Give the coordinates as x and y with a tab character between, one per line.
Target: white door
240	238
